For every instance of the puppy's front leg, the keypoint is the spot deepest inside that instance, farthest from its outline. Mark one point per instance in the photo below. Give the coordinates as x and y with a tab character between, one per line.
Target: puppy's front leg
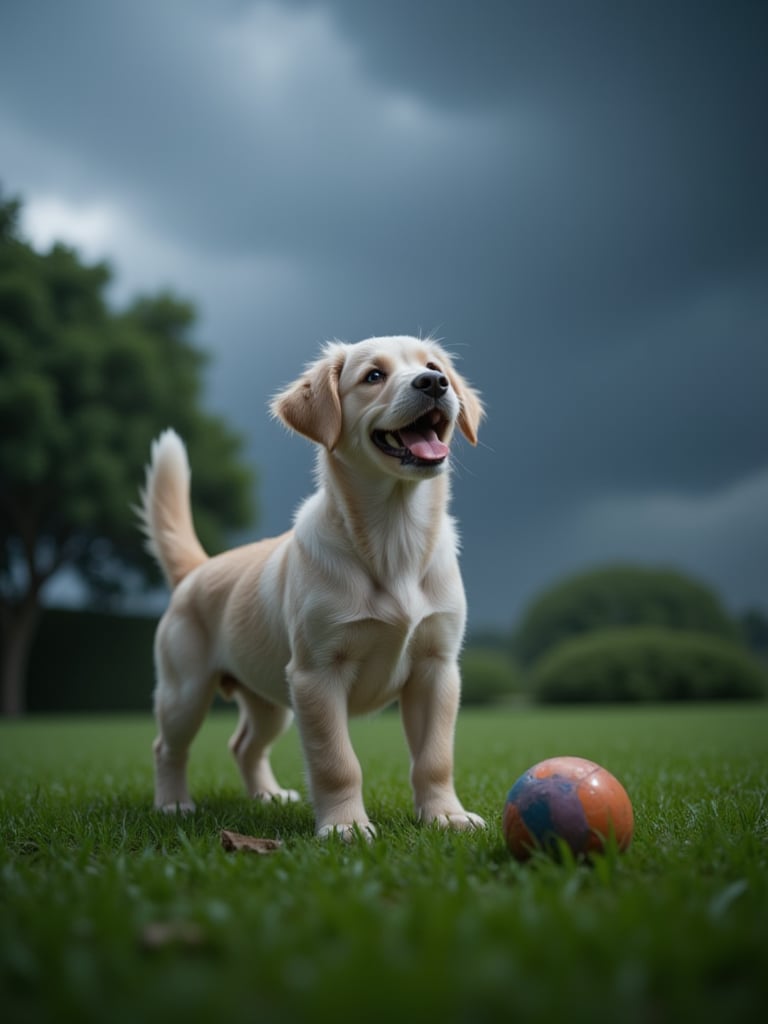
335	776
429	704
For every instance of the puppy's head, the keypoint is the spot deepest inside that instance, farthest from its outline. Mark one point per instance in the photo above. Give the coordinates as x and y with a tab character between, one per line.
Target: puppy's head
389	402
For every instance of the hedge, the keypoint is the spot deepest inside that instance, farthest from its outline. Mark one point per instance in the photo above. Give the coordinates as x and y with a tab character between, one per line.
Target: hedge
91	661
646	664
619	595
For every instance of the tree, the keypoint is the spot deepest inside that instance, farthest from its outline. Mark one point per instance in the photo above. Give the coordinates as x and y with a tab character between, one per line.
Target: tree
83	390
619	595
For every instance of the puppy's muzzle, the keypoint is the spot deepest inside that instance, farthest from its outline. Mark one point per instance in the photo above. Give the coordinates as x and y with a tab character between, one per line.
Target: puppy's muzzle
420	442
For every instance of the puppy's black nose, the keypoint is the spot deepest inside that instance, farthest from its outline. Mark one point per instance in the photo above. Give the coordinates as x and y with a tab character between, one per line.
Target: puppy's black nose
431	382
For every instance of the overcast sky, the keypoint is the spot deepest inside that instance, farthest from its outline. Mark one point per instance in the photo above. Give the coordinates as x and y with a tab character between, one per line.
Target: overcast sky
572	195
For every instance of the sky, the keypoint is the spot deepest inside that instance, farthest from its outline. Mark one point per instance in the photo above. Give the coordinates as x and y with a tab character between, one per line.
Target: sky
572	196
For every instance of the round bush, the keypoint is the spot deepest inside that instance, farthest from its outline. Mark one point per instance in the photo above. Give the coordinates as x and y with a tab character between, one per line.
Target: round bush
618	596
646	664
488	676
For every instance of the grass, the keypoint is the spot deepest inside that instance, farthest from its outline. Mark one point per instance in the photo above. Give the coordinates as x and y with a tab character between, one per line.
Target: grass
420	924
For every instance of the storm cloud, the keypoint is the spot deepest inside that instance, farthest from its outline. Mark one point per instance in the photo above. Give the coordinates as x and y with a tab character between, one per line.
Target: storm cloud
571	196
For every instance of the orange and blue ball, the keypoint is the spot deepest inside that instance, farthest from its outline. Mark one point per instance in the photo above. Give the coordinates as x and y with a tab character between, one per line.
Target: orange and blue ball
567	799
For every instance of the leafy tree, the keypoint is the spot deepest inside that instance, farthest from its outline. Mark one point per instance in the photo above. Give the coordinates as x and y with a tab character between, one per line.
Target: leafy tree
620	595
83	390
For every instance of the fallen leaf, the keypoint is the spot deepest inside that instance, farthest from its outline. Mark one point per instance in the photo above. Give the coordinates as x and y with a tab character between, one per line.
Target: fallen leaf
233	841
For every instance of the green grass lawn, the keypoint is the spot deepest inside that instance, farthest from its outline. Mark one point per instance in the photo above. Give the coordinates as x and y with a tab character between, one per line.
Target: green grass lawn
419	925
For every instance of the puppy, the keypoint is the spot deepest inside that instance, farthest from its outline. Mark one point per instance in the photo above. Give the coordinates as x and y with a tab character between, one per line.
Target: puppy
359	605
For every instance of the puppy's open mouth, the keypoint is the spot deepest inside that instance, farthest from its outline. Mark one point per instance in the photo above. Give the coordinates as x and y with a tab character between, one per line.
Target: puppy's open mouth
420	443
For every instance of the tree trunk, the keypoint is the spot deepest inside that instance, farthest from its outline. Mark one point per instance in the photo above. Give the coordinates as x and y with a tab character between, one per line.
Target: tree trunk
18	629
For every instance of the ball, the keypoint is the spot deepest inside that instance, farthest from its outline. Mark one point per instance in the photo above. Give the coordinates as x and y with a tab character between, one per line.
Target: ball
569	799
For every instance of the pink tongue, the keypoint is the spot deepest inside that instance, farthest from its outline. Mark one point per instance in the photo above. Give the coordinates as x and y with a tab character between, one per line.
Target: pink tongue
424	444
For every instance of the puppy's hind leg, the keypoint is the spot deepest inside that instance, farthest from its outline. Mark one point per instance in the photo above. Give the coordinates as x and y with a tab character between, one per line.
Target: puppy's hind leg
261	723
183	695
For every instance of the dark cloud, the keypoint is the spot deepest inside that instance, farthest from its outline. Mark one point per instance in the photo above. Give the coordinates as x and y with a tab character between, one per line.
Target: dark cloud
571	195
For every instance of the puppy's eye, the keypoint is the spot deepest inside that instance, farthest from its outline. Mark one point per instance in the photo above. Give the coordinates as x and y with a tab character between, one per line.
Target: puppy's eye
374	377
434	366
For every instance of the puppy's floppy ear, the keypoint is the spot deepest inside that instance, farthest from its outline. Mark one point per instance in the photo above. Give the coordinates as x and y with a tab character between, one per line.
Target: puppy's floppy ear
471	410
311	405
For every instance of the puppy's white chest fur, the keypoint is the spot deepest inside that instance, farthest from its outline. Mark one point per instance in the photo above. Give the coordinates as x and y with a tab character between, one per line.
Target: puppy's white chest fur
371	650
374	660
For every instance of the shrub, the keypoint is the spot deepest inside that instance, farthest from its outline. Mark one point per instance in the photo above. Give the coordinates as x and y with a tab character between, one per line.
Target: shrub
619	596
646	664
488	676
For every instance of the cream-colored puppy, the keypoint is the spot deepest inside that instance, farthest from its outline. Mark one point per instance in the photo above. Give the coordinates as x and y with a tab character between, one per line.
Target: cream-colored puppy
360	604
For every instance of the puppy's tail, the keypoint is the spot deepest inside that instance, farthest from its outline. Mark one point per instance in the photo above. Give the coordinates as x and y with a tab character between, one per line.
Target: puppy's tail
164	510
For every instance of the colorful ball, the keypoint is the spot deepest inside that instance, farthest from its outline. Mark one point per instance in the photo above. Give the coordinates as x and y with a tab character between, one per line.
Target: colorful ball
569	799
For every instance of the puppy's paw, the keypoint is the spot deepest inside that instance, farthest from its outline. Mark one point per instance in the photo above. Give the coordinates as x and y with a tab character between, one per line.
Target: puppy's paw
349	833
280	796
181	807
464	821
